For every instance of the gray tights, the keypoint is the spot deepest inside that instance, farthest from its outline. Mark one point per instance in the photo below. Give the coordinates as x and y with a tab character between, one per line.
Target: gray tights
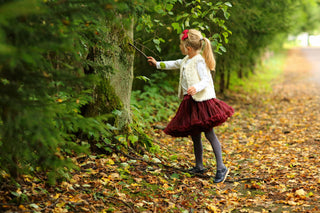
198	149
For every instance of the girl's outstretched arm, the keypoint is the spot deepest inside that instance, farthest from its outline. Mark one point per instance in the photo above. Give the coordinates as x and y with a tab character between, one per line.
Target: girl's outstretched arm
166	65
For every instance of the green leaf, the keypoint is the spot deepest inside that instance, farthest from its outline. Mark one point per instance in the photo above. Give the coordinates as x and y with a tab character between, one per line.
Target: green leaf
144	78
182	16
116	112
174	176
228	4
223	49
161	40
158	9
187	24
176	26
215	36
225	13
15	194
169	7
156	41
225	34
133	138
33	205
158	48
99	145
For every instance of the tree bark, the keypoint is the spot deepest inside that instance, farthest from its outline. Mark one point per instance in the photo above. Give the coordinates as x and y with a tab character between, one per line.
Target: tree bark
228	78
121	81
113	91
240	71
222	81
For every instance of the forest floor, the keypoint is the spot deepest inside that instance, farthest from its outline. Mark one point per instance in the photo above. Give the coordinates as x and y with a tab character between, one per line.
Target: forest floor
271	145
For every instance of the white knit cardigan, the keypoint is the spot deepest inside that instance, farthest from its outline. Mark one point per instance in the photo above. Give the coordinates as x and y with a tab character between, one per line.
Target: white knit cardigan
192	78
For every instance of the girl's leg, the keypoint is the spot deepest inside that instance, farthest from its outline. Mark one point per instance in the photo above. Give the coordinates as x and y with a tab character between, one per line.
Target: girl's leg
216	146
198	150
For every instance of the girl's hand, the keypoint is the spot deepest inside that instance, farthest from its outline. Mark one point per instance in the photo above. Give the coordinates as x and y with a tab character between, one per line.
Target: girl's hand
191	91
152	61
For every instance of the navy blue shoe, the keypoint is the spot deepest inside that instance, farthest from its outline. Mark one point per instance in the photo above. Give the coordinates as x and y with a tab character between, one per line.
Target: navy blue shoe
221	175
197	170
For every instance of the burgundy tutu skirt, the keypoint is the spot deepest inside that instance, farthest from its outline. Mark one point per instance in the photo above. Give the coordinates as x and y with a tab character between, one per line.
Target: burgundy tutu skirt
195	117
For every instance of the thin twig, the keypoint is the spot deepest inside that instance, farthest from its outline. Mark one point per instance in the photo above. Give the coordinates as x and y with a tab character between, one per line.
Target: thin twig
148	49
243	179
52	205
132	210
142	53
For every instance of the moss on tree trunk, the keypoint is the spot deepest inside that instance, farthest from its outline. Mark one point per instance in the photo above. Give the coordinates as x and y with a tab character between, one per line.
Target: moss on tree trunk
116	76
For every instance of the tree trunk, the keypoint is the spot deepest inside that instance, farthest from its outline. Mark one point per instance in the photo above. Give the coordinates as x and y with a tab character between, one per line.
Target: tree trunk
114	88
240	72
222	82
228	79
121	81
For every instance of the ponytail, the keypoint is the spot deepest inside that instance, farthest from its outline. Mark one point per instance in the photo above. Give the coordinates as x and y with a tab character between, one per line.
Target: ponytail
193	38
207	54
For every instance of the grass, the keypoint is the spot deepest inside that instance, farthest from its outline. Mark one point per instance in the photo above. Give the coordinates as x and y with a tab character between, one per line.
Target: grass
261	80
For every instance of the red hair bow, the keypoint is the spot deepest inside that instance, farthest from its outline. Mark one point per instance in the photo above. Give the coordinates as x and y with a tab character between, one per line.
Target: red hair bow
185	35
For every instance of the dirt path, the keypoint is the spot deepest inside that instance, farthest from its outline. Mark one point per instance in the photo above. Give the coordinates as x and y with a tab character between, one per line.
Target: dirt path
281	141
312	55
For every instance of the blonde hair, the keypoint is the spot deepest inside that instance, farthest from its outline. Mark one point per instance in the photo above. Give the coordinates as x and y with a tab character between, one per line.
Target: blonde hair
196	41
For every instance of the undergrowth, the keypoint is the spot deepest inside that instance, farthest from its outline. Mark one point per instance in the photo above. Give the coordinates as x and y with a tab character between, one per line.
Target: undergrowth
156	103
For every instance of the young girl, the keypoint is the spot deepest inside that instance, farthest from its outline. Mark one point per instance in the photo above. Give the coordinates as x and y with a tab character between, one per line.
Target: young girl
199	111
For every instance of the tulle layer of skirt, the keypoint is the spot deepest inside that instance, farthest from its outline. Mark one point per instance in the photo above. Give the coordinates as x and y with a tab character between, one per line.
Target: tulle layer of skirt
195	117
